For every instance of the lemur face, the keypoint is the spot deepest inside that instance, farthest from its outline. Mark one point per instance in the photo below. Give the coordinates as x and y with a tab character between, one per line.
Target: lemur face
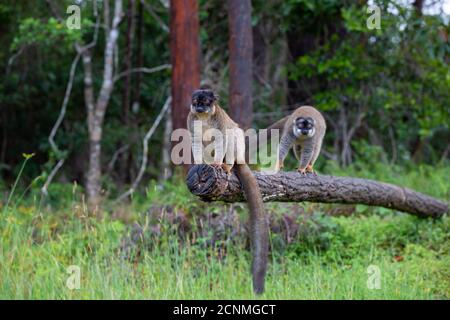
203	101
304	127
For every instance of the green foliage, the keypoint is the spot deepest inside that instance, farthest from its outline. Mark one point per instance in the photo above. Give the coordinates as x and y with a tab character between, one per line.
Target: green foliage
165	192
44	33
327	258
397	75
412	255
427	179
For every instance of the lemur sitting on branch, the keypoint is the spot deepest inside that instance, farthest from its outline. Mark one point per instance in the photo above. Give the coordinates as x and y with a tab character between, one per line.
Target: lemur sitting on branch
206	112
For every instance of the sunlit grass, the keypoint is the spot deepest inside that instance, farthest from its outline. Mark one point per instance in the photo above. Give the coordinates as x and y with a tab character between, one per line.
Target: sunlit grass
39	243
412	255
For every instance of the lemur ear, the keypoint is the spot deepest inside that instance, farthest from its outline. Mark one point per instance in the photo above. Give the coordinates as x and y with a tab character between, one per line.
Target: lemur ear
206	86
195	92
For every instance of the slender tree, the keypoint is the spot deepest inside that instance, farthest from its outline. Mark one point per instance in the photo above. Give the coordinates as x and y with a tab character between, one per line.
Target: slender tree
96	108
126	95
241	61
139	57
185	57
418	6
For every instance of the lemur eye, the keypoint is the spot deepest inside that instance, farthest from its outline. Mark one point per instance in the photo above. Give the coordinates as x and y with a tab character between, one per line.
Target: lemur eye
194	101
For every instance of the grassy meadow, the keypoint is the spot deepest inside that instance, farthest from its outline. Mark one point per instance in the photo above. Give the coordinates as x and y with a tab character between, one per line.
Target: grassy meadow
166	244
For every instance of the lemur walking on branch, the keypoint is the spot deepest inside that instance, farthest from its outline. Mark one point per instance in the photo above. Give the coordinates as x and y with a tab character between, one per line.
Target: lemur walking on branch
303	130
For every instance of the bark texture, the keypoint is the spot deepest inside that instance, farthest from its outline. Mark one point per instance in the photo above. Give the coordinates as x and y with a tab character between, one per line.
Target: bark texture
241	60
212	184
185	57
96	109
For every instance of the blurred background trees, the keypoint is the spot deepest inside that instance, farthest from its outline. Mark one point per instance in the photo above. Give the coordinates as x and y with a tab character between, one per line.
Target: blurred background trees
385	92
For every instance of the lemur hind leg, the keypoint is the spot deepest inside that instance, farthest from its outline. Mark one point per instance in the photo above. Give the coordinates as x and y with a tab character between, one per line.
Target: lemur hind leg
309	168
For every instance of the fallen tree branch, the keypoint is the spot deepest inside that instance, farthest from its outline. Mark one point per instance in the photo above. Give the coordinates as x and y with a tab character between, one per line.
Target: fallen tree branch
212	184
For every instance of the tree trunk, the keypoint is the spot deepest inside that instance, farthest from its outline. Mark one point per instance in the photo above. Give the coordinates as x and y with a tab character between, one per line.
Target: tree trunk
418	7
93	186
96	109
127	63
93	173
185	57
241	61
212	184
125	157
139	59
166	170
4	140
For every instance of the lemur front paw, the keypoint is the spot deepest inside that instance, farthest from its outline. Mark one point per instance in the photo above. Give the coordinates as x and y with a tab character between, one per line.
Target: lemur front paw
310	169
227	168
302	171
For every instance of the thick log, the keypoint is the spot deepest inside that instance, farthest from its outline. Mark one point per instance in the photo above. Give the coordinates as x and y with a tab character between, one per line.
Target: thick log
213	184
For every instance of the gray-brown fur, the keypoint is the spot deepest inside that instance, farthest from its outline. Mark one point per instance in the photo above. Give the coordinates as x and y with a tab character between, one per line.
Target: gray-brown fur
306	148
215	117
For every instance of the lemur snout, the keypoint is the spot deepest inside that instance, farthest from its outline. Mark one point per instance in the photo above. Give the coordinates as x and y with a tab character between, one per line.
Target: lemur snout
305	132
200	109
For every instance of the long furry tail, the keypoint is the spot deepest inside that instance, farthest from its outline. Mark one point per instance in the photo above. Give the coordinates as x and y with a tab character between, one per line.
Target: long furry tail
258	226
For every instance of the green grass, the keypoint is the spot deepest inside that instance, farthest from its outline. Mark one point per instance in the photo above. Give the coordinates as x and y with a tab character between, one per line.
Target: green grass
330	260
30	270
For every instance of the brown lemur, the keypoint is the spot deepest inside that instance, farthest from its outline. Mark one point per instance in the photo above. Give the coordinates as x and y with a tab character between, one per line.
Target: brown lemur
303	130
206	110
